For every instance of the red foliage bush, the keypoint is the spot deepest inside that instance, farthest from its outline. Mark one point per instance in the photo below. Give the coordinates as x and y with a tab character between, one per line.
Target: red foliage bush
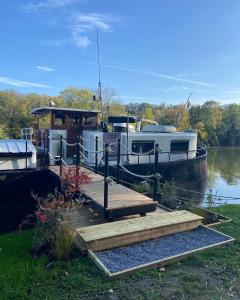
75	176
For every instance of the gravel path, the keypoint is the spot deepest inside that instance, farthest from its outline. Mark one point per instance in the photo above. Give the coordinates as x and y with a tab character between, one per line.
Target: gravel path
119	259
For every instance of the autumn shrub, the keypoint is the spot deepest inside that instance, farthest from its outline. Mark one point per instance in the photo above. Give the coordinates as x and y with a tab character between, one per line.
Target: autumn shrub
62	240
54	232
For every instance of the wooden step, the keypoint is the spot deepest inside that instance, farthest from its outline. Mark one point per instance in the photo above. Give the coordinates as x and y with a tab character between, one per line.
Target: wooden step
125	232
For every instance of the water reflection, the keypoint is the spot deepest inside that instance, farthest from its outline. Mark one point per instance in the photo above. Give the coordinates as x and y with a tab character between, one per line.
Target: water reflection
223	178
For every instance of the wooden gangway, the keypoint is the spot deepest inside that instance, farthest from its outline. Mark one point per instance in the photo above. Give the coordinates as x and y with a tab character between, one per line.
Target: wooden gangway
122	201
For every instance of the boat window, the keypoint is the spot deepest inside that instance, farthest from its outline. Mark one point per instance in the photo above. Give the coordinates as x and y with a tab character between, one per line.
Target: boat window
179	146
119	129
59	120
143	147
90	121
75	121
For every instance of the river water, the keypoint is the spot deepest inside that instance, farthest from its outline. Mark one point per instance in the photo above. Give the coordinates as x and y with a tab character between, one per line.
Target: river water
222	179
223	175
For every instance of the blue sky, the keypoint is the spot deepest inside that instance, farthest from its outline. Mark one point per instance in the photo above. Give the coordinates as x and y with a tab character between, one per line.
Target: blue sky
151	51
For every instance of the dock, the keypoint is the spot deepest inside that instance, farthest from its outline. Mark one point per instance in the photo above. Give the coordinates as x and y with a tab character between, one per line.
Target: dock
122	201
142	235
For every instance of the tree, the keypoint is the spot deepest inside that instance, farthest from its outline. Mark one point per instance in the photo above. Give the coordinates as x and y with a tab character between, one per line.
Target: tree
78	98
210	116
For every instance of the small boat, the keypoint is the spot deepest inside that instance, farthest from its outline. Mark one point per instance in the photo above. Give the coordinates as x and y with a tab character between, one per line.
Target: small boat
17	155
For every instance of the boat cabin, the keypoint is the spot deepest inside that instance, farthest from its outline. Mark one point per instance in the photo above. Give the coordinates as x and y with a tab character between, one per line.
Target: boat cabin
68	123
138	143
137	137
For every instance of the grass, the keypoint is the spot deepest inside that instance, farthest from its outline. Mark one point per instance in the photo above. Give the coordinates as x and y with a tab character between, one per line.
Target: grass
214	274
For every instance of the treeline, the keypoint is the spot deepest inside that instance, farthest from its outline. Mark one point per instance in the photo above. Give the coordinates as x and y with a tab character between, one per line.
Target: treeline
216	124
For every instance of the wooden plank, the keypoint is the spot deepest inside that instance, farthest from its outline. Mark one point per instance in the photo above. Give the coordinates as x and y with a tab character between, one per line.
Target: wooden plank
120	197
160	262
136	224
98	263
132	238
125	232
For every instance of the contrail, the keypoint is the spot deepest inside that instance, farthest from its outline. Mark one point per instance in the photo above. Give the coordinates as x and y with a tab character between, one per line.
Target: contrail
159	75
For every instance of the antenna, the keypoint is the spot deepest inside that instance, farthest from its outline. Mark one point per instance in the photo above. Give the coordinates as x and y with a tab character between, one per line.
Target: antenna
188	102
99	74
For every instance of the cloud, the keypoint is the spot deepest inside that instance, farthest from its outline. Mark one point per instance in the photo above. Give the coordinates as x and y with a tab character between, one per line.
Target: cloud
78	25
81	24
45	69
88	22
80	40
21	83
47	4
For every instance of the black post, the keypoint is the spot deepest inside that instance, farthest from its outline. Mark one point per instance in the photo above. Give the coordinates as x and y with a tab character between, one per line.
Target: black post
44	153
96	155
61	154
118	160
78	152
26	156
155	173
106	173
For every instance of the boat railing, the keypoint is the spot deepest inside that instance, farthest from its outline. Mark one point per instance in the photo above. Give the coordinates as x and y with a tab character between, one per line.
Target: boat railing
118	152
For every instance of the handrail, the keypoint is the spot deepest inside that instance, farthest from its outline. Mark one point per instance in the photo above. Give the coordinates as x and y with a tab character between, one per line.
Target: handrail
200	150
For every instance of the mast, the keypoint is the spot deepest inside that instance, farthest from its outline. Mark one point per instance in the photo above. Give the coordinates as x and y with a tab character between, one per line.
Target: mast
99	75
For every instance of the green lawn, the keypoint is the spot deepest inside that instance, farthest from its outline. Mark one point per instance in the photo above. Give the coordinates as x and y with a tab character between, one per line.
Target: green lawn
214	274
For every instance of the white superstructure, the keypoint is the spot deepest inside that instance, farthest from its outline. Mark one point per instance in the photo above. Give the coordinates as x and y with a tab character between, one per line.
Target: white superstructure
17	154
138	147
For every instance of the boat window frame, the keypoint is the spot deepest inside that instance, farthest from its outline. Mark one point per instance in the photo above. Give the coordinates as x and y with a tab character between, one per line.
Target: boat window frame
179	151
58	117
143	141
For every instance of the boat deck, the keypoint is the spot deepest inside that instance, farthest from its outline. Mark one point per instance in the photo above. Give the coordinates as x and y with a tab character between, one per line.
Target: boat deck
122	201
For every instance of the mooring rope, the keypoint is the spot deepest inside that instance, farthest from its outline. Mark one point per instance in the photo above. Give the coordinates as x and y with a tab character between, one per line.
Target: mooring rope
65	163
83	155
55	159
90	151
68	144
136	175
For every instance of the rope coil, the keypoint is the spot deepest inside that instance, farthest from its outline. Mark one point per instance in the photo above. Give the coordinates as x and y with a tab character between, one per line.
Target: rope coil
109	180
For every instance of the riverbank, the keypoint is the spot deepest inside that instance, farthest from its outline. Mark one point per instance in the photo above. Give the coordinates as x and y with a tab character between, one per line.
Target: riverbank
214	274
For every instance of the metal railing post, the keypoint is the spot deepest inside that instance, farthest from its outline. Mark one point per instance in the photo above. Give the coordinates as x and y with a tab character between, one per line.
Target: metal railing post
44	153
78	152
96	155
106	173
26	157
61	154
118	160
155	173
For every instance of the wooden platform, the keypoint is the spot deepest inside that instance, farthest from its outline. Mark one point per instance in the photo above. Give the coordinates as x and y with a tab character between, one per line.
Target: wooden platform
119	233
122	201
